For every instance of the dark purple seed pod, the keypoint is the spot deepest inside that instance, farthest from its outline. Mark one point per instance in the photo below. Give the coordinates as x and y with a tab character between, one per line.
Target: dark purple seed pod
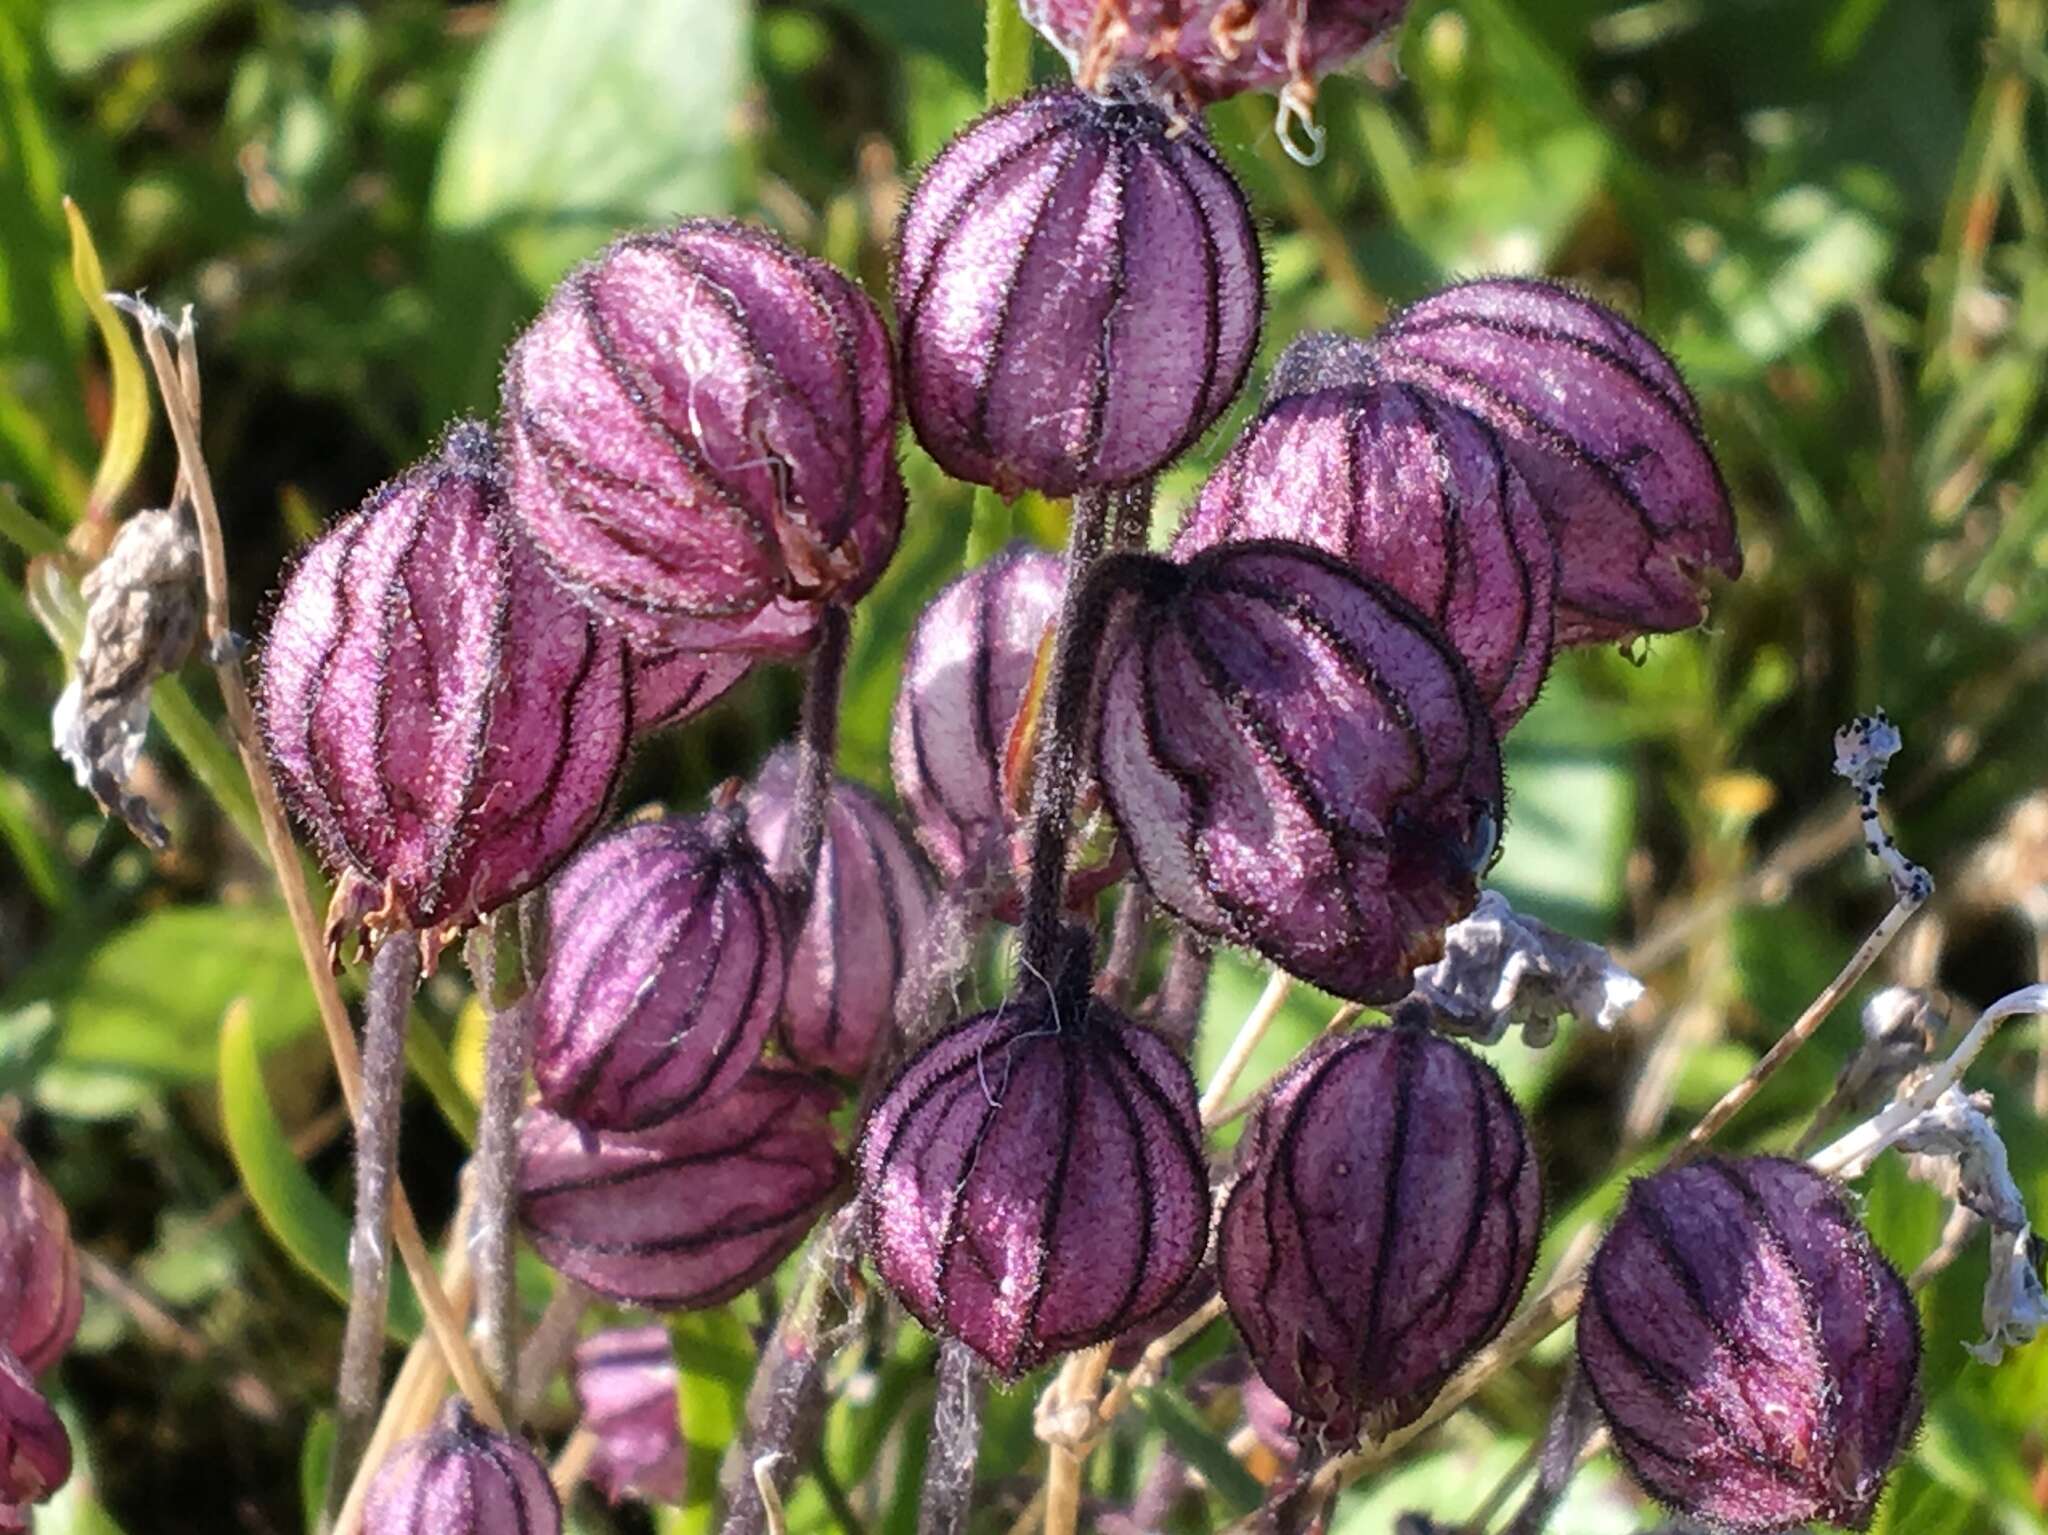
700	436
446	721
1756	1358
1197	51
1033	1182
1403	488
689	1213
40	1298
1603	429
460	1478
1298	762
1381	1227
1078	287
663	972
35	1451
868	908
626	1385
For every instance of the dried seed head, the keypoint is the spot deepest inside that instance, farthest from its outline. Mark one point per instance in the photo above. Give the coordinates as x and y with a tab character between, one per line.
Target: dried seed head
663	971
868	909
446	721
1755	1357
1406	489
1297	761
1078	286
35	1451
1382	1225
1603	429
700	436
691	1212
460	1478
626	1384
1033	1180
39	1293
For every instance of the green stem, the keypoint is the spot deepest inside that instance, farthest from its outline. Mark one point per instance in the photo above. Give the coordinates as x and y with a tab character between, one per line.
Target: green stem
993	525
1009	51
212	763
24	529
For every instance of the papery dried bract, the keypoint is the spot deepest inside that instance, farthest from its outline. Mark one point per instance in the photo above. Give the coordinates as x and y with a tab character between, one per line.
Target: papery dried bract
1297	762
868	908
446	721
1755	1357
700	435
688	1213
460	1478
1603	429
40	1297
1383	1223
663	971
1078	287
1032	1182
1406	489
35	1451
625	1381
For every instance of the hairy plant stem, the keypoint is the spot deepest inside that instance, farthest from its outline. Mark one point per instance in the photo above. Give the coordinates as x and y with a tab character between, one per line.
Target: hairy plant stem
495	1165
548	1346
817	753
1573	1431
948	1491
1184	992
394	977
1118	977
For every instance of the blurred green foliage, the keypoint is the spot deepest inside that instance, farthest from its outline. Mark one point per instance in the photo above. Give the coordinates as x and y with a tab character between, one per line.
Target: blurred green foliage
1831	210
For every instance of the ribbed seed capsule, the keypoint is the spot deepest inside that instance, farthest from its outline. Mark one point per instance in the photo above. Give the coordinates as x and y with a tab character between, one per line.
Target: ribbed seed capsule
1754	1355
626	1385
670	686
1404	488
1297	761
39	1293
1078	287
35	1451
446	720
663	971
1603	429
1033	1181
1383	1223
868	908
460	1478
688	1213
700	436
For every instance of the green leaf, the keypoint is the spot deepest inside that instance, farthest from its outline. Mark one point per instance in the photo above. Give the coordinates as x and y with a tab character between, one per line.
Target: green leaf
1203	1449
293	1209
1008	50
316	1454
84	34
715	1362
128	424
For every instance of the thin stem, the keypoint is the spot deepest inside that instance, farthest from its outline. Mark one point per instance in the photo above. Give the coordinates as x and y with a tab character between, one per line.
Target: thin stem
495	1165
817	752
1249	1036
574	1461
1119	974
549	1345
394	977
1574	1426
1080	1379
1184	993
1009	51
948	1494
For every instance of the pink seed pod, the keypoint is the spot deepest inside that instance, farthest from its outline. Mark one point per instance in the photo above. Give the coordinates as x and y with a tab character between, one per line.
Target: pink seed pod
1032	1182
1383	1223
1603	429
1297	761
35	1451
689	1213
1403	488
1192	52
460	1478
40	1298
663	971
671	686
626	1383
1078	287
700	436
444	719
868	908
1754	1355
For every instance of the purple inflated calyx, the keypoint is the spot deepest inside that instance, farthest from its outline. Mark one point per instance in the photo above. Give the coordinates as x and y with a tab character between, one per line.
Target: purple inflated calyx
1296	760
1603	429
35	1451
445	720
1078	287
691	1212
460	1478
40	1298
663	971
1402	487
700	436
1033	1182
1754	1355
671	686
1381	1227
868	907
626	1383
